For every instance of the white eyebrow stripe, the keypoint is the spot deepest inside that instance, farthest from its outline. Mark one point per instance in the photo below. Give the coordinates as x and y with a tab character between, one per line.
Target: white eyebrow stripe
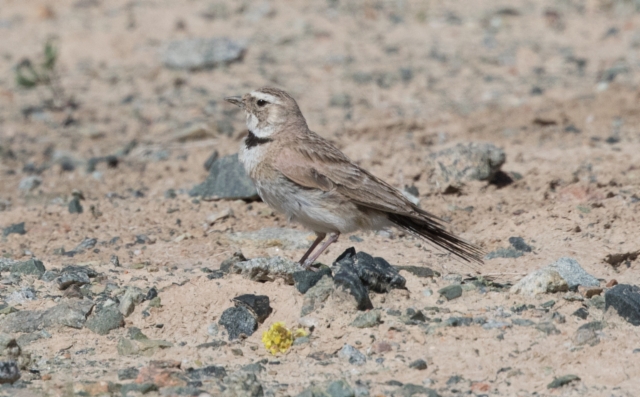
266	97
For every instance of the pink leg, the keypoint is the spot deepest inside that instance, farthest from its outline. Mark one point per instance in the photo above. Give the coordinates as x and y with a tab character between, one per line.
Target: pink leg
318	240
332	239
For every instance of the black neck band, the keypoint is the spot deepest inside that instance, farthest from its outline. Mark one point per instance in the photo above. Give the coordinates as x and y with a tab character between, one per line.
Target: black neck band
252	140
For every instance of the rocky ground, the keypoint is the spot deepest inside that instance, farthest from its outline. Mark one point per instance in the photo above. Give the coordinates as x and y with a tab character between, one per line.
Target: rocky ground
136	259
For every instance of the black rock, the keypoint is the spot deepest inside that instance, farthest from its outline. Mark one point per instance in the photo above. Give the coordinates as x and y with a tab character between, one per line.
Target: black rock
9	372
418	364
347	278
258	305
238	321
561	381
625	299
152	293
68	279
128	373
75	207
519	244
581	313
227	180
205	373
306	279
17	228
376	273
451	291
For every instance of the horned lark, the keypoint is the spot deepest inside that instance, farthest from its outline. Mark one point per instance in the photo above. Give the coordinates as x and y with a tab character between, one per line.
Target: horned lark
305	177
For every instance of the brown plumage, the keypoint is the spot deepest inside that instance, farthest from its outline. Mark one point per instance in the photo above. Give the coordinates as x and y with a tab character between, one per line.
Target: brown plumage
303	175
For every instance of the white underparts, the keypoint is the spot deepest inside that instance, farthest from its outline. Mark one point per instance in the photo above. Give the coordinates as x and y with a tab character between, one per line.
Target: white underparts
264	131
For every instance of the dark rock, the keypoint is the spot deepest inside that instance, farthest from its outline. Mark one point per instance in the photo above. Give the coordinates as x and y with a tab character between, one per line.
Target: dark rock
238	321
210	160
504	253
215	275
228	264
152	293
105	319
68	279
9	372
29	267
346	277
91	273
616	260
459	321
258	305
625	299
419	364
208	372
581	313
418	271
451	292
519	244
306	279
201	53
317	295
17	228
227	180
561	381
84	245
128	373
377	273
74	206
339	388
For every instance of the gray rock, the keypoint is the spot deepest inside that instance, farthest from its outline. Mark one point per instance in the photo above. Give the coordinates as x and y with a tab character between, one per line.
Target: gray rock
624	299
9	372
523	322
353	355
84	245
133	296
141	388
288	239
105	319
267	269
238	321
227	179
367	319
418	271
242	384
459	321
228	264
519	244
317	295
74	206
207	164
419	364
504	253
409	390
208	372
30	267
17	228
128	373
462	163
451	292
340	388
71	313
561	381
547	328
306	279
542	281
571	271
67	279
587	334
29	183
201	53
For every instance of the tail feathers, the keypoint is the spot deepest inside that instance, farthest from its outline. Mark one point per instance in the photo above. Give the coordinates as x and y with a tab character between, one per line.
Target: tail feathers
436	234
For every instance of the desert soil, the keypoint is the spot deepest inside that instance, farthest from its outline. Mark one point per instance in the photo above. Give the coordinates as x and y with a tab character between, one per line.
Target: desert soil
554	84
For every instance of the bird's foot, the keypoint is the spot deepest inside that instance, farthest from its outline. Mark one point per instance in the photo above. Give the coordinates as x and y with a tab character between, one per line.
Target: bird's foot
307	266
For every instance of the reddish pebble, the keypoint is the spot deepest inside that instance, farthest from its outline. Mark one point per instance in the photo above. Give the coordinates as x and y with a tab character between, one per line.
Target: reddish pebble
612	283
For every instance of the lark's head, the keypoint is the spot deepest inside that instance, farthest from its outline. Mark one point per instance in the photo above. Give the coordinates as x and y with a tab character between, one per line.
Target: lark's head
268	110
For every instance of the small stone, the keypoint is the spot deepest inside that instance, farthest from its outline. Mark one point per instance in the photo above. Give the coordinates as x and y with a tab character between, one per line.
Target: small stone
9	372
581	313
70	313
74	206
519	244
418	271
573	297
115	261
132	297
317	295
29	267
238	321
418	364
367	319
589	292
201	53
340	100
105	319
17	228
624	299
380	347
586	334
410	389
346	277
548	328
504	253
451	292
67	279
523	322
242	384
353	355
571	271
128	373
209	372
561	381
267	269
340	388
545	280
459	321
305	279
29	183
258	305
376	273
151	294
227	180
612	283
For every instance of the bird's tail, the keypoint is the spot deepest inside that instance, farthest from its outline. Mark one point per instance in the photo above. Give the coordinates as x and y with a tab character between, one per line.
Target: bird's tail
435	233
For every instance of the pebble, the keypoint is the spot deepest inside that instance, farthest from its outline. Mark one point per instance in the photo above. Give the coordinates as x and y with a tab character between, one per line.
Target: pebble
346	277
340	388
67	279
545	280
547	328
367	319
451	292
267	269
624	299
418	271
317	295
258	305
305	279
128	373
9	372
376	273
29	183
581	313
571	271
418	364
504	253
201	53
519	244
70	313
353	355
587	334
227	179
133	296
17	228
561	381
104	319
74	206
29	267
238	321
242	384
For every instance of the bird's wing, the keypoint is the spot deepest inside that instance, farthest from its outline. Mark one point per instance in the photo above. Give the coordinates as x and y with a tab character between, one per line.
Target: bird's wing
320	165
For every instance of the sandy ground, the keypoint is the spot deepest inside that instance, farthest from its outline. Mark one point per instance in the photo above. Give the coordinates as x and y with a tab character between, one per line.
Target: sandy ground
555	84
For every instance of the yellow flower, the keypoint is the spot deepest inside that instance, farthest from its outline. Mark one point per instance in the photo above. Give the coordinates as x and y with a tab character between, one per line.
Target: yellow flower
278	338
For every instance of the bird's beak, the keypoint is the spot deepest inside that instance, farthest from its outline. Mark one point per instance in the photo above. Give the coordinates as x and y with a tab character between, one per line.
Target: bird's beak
236	100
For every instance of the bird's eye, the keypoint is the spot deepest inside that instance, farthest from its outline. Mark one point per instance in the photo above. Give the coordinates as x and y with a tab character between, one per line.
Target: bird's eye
261	102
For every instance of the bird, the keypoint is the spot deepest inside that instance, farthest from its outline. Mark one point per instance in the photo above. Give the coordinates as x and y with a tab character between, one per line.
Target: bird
299	173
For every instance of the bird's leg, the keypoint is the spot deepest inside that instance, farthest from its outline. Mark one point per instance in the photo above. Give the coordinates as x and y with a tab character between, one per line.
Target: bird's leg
332	239
318	240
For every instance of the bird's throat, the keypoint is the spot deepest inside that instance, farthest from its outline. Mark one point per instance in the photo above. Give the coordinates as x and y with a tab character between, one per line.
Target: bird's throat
252	140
